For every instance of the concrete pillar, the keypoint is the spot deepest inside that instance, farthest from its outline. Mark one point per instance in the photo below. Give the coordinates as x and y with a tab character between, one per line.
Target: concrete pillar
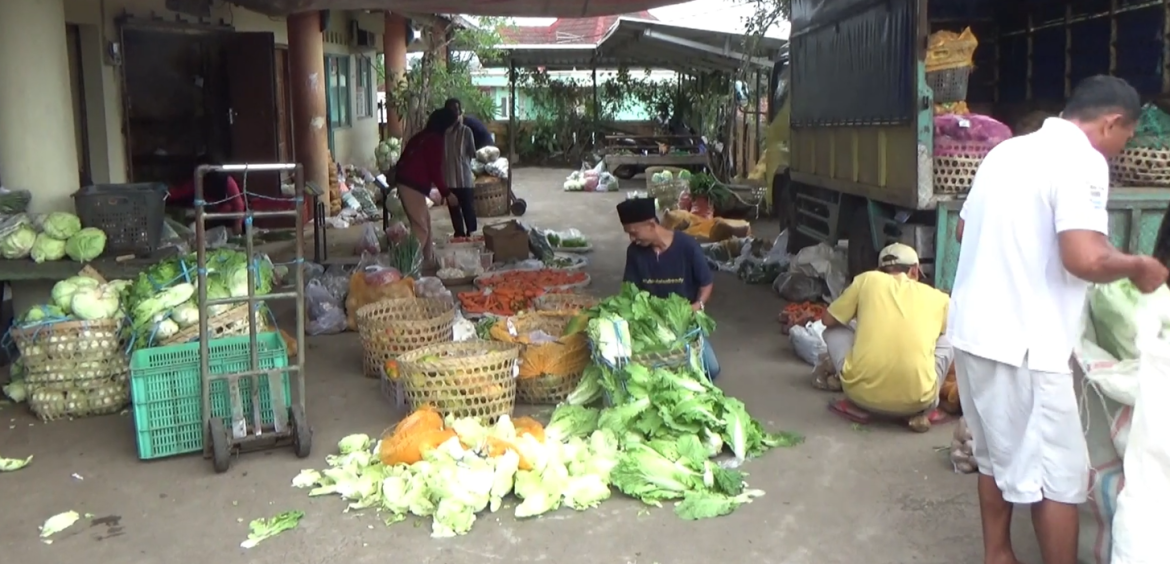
38	149
306	69
394	57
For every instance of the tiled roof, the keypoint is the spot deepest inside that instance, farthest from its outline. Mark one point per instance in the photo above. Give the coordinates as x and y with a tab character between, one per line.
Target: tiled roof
567	31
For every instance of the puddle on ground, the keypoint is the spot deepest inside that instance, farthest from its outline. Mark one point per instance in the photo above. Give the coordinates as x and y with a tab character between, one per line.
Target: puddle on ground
113	525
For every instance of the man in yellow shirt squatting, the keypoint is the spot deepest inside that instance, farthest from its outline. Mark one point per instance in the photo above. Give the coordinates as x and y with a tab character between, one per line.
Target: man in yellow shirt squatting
885	338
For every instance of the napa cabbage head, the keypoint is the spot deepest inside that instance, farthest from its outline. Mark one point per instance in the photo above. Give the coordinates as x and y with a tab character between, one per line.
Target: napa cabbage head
19	243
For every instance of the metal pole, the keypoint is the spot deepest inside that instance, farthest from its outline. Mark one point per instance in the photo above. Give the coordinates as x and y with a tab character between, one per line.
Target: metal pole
299	188
201	276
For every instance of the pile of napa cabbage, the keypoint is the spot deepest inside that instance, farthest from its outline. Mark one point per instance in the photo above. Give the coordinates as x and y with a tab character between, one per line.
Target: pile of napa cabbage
52	237
163	299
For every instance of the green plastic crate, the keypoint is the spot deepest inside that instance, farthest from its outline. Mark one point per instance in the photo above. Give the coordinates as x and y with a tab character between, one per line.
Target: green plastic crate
166	389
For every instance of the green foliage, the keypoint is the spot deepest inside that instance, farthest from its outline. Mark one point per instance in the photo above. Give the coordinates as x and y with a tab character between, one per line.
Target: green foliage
430	81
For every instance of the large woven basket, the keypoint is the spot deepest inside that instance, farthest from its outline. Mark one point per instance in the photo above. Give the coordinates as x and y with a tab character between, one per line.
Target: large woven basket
227	324
955	165
1140	166
390	328
491	197
548	371
83	398
64	346
567	303
472	379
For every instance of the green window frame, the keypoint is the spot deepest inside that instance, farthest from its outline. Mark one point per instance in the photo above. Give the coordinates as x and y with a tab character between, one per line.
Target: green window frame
364	95
337	90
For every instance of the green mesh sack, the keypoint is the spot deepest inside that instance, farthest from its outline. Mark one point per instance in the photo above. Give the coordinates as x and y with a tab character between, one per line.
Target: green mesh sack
1153	129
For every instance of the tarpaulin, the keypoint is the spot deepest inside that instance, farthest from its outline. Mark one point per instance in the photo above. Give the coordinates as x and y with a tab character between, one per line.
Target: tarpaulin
853	62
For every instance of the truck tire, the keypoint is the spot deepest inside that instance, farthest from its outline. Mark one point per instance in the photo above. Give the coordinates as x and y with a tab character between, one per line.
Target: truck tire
625	172
783	202
862	254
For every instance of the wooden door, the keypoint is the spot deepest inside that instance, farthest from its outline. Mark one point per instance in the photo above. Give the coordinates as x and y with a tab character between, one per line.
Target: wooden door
252	114
283	107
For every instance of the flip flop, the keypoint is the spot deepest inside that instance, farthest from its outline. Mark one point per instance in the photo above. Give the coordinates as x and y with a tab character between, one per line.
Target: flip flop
938	417
845	409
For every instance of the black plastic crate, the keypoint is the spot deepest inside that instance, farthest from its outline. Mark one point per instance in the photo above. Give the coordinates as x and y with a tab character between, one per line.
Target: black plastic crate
131	215
949	85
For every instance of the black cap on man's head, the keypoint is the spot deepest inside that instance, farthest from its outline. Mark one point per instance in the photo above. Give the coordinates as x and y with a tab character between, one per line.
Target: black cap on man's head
637	210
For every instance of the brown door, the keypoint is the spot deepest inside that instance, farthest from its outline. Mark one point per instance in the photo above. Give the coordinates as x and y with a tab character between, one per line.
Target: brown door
251	74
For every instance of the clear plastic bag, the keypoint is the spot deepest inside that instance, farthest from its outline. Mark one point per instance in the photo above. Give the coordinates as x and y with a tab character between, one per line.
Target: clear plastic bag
396	233
378	276
431	287
808	341
368	243
326	314
313	271
336	280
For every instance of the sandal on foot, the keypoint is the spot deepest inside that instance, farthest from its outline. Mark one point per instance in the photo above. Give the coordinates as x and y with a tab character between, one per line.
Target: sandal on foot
846	409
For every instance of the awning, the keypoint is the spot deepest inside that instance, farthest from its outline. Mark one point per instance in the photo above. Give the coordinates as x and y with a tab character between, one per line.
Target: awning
513	8
639	43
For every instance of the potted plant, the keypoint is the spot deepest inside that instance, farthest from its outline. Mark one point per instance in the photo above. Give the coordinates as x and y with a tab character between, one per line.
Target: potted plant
707	194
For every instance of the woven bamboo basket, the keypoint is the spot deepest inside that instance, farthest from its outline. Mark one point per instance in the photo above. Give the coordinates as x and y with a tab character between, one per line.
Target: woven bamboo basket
548	371
491	197
390	328
81	399
230	323
64	346
1141	165
954	174
472	379
566	303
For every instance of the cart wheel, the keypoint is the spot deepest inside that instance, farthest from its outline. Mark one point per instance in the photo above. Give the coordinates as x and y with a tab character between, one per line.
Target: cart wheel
519	206
221	453
302	434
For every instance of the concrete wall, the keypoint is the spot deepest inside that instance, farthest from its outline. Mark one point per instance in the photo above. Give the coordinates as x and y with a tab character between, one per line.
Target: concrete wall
101	80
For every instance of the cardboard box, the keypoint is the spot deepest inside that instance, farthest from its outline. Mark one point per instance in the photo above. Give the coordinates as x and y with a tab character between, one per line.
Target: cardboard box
508	241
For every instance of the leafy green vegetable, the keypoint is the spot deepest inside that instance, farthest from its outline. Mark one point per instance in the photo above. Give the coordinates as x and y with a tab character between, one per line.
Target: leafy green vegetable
14	464
86	245
58	523
19	243
570	421
656	324
47	248
263	529
61	225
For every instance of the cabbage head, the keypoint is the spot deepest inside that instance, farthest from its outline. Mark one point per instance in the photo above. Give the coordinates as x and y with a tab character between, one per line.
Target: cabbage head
19	243
47	248
95	303
86	245
63	291
61	225
42	313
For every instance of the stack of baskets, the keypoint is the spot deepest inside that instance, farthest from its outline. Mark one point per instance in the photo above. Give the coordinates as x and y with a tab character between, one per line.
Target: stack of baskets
549	369
949	61
491	197
74	368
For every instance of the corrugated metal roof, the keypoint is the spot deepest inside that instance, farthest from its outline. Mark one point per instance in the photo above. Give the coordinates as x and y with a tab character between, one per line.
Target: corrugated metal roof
567	30
635	42
513	8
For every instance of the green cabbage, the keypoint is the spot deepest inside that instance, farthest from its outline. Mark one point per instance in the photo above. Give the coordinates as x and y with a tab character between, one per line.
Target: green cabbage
19	243
47	248
42	313
1114	311
61	225
95	303
63	291
86	245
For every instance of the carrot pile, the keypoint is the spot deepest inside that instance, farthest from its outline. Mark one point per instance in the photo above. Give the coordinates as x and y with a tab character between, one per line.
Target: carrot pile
800	313
531	280
500	300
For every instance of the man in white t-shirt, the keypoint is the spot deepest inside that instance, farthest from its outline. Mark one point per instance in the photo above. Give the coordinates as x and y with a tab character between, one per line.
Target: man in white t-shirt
1035	230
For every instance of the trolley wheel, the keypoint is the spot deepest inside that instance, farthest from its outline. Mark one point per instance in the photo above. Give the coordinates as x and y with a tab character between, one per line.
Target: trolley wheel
302	433
519	206
221	450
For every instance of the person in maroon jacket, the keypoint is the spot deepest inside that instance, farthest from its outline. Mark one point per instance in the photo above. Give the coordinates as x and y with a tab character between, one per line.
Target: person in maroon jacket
220	191
419	169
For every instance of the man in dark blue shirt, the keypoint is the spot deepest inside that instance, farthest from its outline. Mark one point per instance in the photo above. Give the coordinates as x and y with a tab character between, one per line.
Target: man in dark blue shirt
479	131
664	262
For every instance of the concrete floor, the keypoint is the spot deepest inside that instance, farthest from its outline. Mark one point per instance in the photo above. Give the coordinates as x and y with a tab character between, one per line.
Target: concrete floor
847	495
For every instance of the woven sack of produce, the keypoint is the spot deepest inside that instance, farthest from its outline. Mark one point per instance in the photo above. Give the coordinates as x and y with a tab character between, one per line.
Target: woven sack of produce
470	379
391	327
552	360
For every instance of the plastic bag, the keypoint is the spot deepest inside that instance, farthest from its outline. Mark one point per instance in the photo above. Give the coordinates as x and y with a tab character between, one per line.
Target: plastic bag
1138	537
1114	311
607	183
963	449
808	342
829	264
431	287
336	280
377	276
797	287
463	329
396	233
313	271
368	243
326	314
361	293
497	168
477	167
487	154
216	237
